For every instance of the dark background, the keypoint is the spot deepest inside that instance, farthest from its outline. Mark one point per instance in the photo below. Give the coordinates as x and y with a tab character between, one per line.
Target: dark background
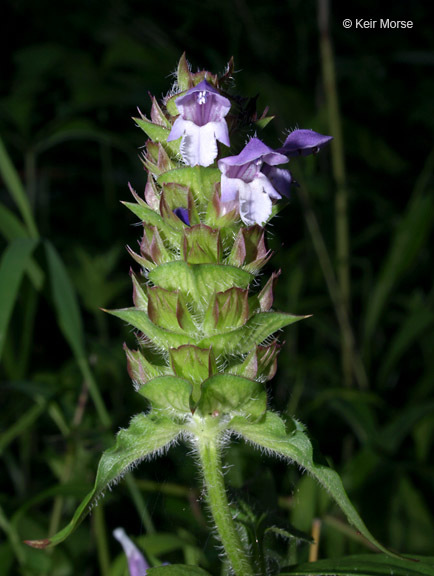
72	76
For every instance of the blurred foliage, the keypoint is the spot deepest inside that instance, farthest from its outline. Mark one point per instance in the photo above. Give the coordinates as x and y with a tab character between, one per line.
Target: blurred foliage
73	75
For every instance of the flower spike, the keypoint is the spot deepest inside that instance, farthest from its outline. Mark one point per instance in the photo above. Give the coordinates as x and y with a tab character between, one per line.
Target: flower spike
206	337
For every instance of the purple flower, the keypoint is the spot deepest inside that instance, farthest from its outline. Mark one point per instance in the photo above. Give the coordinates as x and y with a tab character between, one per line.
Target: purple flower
253	180
201	122
137	564
182	214
303	143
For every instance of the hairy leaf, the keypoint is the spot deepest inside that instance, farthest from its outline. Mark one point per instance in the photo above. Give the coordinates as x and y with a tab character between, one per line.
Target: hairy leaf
144	438
270	434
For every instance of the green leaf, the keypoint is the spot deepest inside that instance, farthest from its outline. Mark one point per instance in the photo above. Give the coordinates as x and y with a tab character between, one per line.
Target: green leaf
410	236
21	424
70	322
16	190
11	226
177	570
366	565
183	75
148	216
201	281
65	301
140	369
409	518
409	332
193	363
392	435
16	258
146	437
270	433
164	339
227	311
169	393
168	310
201	180
255	331
140	298
225	393
158	133
201	245
260	364
263	122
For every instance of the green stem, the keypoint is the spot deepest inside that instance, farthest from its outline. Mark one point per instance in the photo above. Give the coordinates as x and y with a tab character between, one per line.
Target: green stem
217	499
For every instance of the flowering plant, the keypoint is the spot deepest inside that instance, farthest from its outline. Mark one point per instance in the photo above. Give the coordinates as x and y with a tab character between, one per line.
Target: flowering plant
206	338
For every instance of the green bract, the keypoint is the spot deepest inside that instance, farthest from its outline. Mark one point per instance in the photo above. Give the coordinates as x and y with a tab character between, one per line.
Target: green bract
213	334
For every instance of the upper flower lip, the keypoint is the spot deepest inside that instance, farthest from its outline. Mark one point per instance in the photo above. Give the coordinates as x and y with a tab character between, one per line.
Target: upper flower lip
207	106
303	143
254	150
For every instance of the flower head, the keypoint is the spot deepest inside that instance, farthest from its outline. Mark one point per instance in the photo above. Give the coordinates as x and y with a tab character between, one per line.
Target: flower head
252	178
303	143
201	122
137	564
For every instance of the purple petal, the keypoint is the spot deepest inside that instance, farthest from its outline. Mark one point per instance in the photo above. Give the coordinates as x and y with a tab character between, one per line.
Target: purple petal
178	129
303	143
280	179
229	188
221	132
200	124
202	104
254	150
182	214
137	564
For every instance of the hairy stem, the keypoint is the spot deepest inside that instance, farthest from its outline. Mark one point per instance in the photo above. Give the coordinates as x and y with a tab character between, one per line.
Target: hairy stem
217	499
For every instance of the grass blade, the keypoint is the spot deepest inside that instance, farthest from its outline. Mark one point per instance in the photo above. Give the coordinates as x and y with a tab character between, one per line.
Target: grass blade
14	262
70	323
16	190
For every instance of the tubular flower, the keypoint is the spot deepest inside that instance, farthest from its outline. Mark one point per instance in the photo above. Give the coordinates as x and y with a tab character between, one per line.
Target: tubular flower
303	143
137	564
252	178
201	122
